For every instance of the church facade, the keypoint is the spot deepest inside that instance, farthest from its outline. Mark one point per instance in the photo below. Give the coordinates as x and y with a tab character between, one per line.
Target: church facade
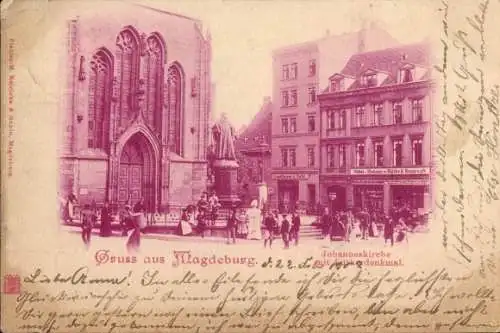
137	103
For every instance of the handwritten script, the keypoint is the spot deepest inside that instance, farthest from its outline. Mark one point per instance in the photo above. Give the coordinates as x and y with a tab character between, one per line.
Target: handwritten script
261	301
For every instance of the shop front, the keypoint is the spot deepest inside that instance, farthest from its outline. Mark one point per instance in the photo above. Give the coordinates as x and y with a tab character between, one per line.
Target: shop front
370	197
412	195
383	188
288	194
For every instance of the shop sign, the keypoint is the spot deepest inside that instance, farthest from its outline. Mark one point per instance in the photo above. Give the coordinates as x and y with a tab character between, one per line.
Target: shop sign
391	171
298	176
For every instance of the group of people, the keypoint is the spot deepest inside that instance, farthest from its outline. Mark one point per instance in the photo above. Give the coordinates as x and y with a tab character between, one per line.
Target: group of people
251	223
364	224
200	216
132	220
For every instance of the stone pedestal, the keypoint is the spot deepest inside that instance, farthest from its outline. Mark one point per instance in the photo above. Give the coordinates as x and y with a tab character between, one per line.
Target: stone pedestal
226	182
262	190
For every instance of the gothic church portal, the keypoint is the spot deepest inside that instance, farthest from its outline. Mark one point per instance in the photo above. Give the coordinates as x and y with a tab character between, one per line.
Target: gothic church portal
137	106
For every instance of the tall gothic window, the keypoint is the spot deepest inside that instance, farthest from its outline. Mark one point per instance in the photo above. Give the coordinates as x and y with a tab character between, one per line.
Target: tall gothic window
154	78
127	62
99	99
175	96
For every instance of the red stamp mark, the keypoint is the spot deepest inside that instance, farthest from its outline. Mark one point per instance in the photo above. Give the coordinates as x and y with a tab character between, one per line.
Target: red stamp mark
11	284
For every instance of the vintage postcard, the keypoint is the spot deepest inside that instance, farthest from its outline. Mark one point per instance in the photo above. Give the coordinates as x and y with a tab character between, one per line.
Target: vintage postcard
250	166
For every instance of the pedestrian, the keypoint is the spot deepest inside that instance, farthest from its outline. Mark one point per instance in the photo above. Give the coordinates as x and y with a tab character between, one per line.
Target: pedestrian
185	227
326	222
269	229
202	204
243	225
285	231
364	218
87	224
295	229
134	232
214	205
69	211
348	225
232	223
389	230
105	230
202	223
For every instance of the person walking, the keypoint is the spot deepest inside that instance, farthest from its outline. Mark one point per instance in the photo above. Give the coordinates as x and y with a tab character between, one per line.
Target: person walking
105	230
295	229
326	223
134	238
285	231
202	223
364	218
87	224
269	229
389	230
232	223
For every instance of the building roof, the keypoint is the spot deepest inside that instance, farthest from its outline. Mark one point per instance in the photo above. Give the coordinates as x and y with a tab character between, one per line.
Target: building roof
258	131
388	61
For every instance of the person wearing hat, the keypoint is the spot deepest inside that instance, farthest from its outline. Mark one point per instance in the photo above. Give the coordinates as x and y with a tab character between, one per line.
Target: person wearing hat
105	230
202	204
285	231
202	222
295	229
125	219
87	224
269	229
232	223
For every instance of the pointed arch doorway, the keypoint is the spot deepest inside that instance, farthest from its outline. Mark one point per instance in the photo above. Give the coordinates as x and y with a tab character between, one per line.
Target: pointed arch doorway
136	174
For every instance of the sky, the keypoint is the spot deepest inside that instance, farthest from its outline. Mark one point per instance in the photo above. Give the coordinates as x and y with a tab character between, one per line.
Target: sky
244	34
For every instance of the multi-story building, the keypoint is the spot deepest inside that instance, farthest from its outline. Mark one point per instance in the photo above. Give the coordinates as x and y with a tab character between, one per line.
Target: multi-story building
376	130
253	147
136	107
298	72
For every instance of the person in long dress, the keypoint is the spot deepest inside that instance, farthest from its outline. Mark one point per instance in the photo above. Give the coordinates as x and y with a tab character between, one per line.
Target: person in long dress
295	228
70	208
134	239
185	227
105	221
254	221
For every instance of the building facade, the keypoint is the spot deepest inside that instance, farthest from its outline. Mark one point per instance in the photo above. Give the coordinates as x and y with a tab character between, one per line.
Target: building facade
136	107
253	147
376	131
298	73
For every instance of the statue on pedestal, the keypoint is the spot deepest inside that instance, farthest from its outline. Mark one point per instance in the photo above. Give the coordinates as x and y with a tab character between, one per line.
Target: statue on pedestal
223	134
225	166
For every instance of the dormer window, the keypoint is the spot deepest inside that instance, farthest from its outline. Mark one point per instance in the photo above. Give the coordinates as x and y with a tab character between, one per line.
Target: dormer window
369	80
336	85
405	75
